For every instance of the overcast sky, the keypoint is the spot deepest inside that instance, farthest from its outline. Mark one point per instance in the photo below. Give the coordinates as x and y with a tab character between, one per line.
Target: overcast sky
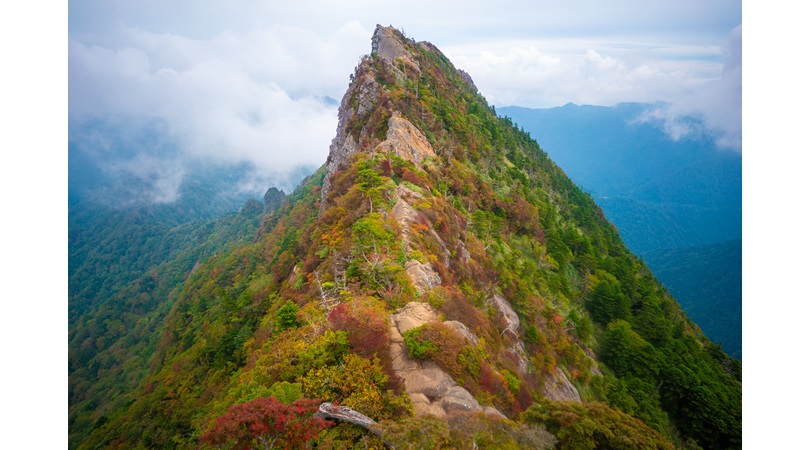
248	80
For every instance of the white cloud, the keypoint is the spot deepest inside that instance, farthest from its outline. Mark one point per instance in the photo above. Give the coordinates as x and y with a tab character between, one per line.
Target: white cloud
247	80
256	97
701	82
716	103
544	74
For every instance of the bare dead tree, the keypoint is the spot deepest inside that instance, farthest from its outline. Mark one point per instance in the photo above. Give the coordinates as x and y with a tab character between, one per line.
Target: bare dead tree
328	295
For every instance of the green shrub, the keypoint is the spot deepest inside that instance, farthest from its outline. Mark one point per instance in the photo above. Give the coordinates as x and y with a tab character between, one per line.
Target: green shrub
594	425
418	347
287	316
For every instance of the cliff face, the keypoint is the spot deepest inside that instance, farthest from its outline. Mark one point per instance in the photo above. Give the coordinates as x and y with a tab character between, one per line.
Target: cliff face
443	276
360	102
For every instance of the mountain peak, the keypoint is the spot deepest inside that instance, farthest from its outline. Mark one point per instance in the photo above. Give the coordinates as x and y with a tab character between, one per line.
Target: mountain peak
388	98
387	44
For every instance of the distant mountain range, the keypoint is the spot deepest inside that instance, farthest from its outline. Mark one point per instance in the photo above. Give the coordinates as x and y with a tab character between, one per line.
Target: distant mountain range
670	199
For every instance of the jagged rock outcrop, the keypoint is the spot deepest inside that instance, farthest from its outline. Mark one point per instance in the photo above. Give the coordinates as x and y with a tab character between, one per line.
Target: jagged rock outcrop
406	141
462	329
423	276
509	314
273	199
558	387
512	328
431	390
413	315
387	46
357	103
406	215
468	79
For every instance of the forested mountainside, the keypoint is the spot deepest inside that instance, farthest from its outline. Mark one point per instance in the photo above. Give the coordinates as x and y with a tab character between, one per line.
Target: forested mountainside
126	267
441	276
660	192
708	281
670	199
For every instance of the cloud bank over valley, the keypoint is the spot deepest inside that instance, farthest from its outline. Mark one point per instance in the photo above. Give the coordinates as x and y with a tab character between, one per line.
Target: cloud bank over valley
153	94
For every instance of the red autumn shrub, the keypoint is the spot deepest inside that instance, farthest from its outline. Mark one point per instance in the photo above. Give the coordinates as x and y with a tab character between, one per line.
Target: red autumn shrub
367	329
267	423
411	177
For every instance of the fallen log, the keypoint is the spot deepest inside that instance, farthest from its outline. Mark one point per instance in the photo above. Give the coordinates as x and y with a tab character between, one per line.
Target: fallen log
345	414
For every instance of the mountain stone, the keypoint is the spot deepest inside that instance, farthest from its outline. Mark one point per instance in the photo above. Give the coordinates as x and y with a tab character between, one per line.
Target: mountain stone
431	390
406	141
357	103
273	199
509	314
558	387
423	276
468	79
406	215
512	322
387	46
462	329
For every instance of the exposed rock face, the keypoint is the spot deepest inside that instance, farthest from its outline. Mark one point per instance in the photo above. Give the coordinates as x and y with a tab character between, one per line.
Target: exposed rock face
509	314
431	390
413	315
462	254
512	330
558	387
463	330
408	195
273	199
358	102
405	214
386	45
423	276
406	141
468	79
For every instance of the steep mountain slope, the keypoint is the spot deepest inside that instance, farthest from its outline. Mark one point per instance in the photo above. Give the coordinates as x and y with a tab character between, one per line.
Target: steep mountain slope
688	187
668	198
708	280
441	276
128	257
126	268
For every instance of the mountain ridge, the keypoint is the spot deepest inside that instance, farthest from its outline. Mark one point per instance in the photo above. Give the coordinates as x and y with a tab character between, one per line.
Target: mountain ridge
431	202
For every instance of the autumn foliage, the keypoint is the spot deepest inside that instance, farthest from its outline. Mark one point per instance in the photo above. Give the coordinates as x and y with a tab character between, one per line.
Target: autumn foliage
300	305
366	327
267	423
